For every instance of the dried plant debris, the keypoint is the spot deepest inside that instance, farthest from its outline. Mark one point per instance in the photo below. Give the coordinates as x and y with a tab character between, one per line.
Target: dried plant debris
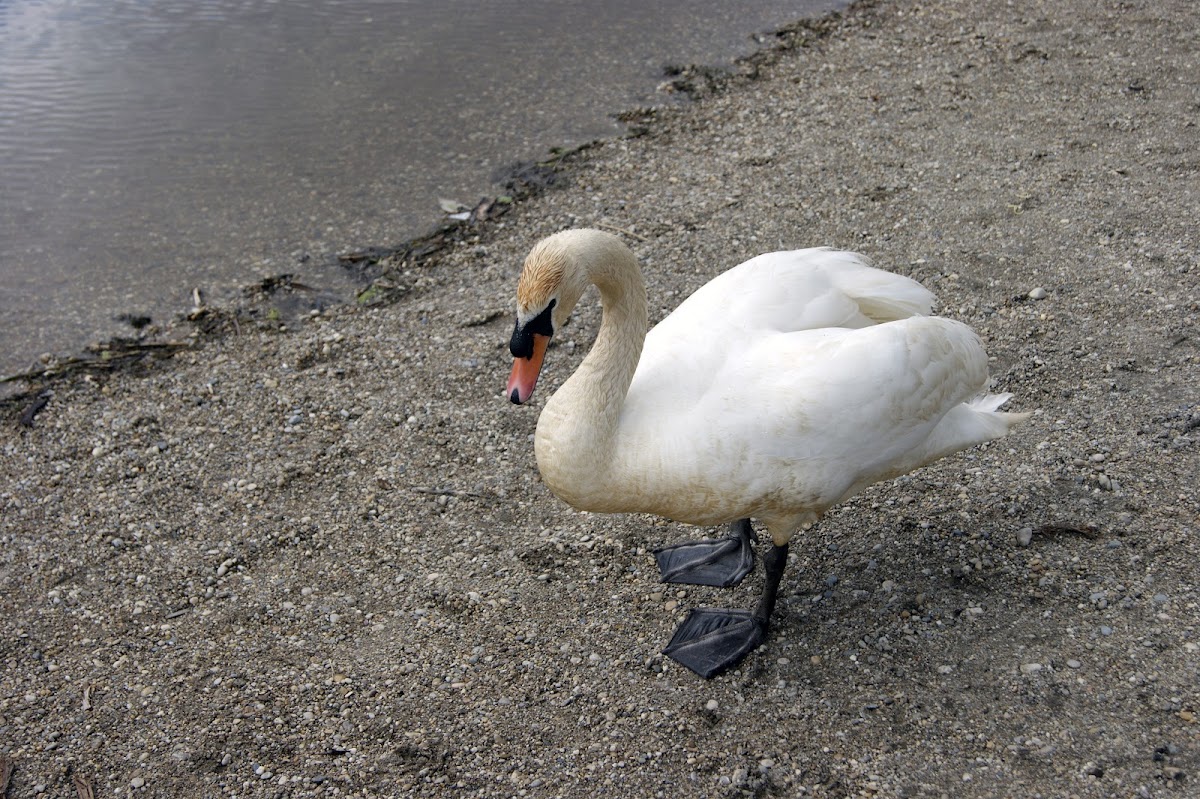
35	407
83	787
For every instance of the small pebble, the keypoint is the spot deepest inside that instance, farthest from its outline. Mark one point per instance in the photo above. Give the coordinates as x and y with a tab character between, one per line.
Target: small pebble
712	705
136	782
1106	630
1074	664
1038	293
1031	668
1025	536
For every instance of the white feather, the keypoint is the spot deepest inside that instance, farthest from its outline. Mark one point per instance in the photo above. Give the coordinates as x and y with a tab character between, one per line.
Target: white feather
778	389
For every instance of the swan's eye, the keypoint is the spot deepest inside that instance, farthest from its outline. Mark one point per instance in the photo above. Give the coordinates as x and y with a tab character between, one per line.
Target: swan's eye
521	345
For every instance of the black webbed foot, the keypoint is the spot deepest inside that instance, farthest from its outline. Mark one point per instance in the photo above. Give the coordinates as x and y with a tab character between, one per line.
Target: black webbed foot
711	640
722	562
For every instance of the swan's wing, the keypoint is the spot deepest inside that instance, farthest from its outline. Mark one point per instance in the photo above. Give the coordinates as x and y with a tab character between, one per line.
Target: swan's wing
801	290
781	292
864	396
816	414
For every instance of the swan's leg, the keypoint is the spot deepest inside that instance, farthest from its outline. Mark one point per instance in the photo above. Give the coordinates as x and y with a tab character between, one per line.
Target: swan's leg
711	640
721	562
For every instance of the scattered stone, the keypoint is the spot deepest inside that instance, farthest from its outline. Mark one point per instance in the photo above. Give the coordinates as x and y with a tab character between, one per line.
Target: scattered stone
450	685
1038	293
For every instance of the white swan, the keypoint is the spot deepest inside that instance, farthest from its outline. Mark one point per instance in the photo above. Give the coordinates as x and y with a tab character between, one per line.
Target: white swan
780	388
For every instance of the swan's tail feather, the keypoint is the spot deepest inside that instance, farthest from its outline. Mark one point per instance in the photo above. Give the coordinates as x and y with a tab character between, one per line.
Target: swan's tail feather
987	405
989	402
966	425
881	296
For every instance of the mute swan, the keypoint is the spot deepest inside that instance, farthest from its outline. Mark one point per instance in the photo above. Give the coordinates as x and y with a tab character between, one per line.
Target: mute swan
780	388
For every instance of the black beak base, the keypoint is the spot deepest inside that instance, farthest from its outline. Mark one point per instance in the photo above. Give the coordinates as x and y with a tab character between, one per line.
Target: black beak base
521	344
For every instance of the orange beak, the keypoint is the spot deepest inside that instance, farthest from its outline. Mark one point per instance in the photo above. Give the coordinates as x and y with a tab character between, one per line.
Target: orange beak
525	371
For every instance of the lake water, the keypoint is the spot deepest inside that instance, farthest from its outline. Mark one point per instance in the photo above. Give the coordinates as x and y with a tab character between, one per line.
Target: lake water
149	147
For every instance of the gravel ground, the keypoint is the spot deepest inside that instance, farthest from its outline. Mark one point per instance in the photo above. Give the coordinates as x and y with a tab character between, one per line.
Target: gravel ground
313	557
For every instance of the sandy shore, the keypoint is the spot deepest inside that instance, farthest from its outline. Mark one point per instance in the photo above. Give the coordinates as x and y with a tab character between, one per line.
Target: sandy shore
313	557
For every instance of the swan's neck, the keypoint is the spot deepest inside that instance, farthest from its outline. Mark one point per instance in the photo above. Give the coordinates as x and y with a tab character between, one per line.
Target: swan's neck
578	430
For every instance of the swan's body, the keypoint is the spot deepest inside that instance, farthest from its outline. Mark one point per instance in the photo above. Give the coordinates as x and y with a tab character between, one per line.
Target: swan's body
778	389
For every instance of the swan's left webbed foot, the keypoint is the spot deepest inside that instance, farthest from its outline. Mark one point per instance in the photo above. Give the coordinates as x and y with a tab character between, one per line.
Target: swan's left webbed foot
711	640
721	562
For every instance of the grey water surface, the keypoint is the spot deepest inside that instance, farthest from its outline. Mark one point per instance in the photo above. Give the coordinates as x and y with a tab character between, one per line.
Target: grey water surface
149	147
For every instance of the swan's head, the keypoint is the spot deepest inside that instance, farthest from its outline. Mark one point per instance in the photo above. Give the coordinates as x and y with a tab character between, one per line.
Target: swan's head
549	287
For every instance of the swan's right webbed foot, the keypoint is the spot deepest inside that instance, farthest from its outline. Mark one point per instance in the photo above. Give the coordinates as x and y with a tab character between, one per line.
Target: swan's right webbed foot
721	562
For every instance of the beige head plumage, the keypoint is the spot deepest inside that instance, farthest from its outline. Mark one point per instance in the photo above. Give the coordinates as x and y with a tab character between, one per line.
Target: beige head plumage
542	275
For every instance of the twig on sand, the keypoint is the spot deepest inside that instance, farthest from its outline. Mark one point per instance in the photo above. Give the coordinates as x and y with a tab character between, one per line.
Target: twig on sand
83	787
448	492
1069	528
6	770
616	229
